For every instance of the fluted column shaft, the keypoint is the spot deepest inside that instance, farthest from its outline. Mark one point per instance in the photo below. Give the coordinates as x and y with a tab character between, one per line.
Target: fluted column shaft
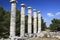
22	28
29	20
39	22
35	21
13	19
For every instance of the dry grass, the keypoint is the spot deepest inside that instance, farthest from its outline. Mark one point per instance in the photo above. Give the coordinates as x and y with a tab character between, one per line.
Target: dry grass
37	38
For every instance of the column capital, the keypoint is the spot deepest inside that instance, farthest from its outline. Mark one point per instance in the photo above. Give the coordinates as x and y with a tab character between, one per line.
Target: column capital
22	5
39	12
34	10
13	1
29	7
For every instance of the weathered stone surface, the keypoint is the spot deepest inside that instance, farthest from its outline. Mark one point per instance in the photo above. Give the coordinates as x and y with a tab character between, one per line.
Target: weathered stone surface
13	19
29	21
35	21
22	28
39	22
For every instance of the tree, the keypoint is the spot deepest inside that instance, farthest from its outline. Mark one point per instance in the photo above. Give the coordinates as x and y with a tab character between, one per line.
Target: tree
18	15
4	22
43	25
55	25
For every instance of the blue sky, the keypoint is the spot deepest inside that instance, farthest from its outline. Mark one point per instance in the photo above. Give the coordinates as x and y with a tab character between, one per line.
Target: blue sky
49	8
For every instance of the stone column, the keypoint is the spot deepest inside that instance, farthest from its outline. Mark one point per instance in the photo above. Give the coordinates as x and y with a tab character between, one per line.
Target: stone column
35	21
22	27
39	23
13	19
29	21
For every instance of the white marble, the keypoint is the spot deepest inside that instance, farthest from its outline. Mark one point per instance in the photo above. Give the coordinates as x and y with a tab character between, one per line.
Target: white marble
12	0
13	19
39	21
22	27
29	21
34	21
